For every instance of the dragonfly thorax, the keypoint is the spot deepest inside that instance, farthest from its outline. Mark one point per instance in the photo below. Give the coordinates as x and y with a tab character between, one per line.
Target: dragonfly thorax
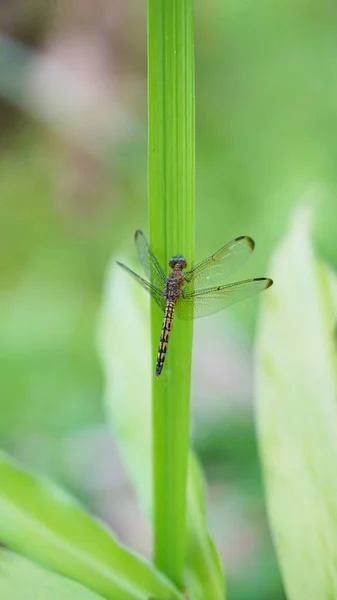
178	262
173	285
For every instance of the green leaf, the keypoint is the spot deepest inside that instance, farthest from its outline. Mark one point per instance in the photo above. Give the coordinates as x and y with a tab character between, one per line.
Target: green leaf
20	579
124	334
296	414
44	523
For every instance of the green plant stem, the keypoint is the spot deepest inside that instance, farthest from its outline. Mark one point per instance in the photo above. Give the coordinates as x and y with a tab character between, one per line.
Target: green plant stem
171	210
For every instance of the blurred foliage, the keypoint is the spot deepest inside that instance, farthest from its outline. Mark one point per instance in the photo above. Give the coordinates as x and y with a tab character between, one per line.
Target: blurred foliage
266	116
296	387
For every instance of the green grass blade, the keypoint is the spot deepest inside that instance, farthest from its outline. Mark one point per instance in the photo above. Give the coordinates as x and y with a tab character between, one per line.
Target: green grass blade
296	411
171	212
35	583
44	523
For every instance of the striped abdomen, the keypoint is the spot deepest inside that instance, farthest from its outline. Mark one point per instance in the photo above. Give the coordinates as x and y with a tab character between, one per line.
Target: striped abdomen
165	336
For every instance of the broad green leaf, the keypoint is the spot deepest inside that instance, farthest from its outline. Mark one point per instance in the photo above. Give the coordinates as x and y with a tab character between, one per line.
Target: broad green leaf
44	523
124	339
296	396
21	579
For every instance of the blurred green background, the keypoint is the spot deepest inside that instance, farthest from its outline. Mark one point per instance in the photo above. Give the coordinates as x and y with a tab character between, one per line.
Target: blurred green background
72	192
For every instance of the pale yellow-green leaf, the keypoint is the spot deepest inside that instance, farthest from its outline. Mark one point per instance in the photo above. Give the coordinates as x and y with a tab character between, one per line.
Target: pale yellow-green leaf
21	579
296	396
124	340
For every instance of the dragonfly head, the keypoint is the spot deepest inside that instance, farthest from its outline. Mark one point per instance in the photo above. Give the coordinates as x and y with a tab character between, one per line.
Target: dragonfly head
178	262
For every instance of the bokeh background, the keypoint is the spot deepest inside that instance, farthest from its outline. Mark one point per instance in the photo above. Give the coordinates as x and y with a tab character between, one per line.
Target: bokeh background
72	192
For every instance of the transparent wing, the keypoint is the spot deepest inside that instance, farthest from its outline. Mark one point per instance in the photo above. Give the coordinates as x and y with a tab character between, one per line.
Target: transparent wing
152	267
205	302
155	292
221	264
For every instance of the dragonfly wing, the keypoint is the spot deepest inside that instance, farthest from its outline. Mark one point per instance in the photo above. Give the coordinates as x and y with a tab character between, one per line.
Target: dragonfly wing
220	265
153	290
151	265
200	303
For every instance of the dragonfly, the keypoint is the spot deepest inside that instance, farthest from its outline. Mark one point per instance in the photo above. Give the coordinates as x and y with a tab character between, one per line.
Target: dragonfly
185	293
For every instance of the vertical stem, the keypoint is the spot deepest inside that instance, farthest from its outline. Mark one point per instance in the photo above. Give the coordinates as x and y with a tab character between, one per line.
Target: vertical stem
171	209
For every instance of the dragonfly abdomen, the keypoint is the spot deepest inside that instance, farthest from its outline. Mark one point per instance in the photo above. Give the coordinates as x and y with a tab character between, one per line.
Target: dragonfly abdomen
165	336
